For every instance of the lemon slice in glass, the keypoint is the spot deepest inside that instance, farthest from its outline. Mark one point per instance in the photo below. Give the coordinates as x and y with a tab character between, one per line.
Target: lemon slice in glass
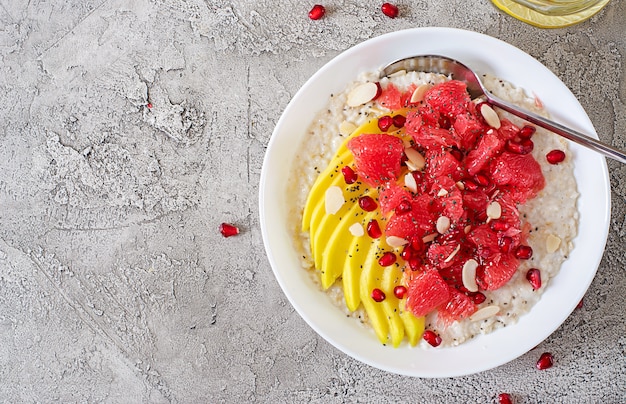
541	20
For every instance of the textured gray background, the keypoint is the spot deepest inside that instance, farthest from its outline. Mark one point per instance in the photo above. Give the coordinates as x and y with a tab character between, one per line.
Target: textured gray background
115	284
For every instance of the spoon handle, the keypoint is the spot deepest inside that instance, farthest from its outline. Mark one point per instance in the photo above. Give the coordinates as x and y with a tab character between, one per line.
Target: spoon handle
559	129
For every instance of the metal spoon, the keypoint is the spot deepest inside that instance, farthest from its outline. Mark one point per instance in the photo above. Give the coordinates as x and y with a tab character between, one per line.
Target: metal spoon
458	71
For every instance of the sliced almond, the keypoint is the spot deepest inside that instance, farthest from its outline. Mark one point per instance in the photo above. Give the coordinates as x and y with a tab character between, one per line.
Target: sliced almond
333	199
494	210
443	224
398	73
361	94
442	192
410	183
453	253
418	94
460	185
485	313
429	237
467	229
490	116
394	241
415	162
552	243
356	230
469	275
346	128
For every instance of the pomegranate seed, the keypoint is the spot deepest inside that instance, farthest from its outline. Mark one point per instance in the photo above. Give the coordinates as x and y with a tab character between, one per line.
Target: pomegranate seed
149	105
317	12
470	185
498	225
534	278
373	229
524	146
527	132
367	203
415	263
398	121
228	230
481	179
385	122
378	295
407	253
399	291
432	338
387	259
580	304
457	154
523	252
417	244
545	361
403	207
389	10
349	175
504	398
477	297
505	244
555	156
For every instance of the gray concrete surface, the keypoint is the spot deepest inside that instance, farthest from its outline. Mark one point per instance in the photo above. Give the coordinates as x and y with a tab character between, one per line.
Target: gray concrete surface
115	285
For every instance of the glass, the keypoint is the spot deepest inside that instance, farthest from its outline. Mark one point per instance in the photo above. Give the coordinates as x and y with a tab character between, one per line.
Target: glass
551	13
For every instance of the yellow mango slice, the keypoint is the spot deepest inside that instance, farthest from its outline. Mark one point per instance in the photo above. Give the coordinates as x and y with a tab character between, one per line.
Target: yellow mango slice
370	279
359	249
338	254
392	277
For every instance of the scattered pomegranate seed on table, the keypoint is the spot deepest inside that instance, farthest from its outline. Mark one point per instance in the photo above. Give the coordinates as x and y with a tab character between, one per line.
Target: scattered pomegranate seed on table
149	105
317	12
228	230
389	10
580	304
534	278
555	156
399	291
504	398
349	175
387	259
432	338
545	361
378	295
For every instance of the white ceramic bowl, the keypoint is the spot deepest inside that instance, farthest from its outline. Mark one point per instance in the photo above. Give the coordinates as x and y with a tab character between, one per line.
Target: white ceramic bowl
483	54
